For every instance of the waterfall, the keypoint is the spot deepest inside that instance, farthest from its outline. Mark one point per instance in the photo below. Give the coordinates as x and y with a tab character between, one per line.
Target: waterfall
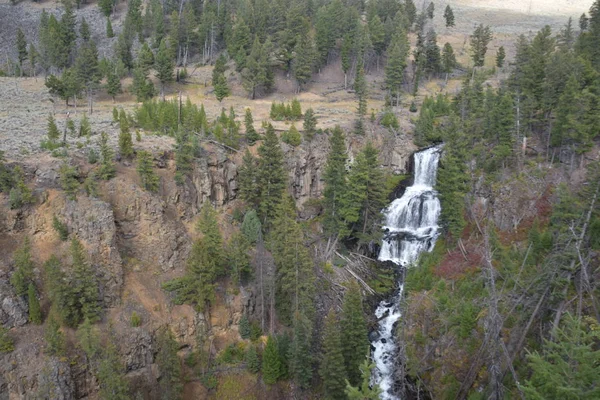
410	228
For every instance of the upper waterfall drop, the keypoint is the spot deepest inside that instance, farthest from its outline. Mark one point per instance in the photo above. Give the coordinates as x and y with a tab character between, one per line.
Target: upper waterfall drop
410	229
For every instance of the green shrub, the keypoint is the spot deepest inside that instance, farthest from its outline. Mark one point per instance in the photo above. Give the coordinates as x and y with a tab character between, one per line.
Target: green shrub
292	137
60	228
6	342
136	320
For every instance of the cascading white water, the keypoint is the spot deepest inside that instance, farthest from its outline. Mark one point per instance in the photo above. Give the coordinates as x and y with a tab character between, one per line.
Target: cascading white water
410	229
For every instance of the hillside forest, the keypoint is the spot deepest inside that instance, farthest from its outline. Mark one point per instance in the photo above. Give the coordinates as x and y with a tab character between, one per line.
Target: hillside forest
192	196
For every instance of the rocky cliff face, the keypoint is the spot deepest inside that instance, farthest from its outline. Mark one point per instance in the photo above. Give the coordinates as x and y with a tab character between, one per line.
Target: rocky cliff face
135	241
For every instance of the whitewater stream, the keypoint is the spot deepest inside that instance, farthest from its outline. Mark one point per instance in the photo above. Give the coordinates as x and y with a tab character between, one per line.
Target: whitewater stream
410	228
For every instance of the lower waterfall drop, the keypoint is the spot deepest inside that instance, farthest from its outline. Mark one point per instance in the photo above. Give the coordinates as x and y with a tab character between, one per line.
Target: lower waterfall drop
410	228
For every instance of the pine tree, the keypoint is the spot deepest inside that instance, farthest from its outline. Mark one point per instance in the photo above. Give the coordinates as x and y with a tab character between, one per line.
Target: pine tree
364	198
107	167
448	59
292	137
87	70
365	391
360	87
345	56
33	58
568	367
142	87
221	88
304	61
68	180
411	11
500	57
293	264
113	83
432	53
252	360
332	370
68	34
244	327
449	16
270	176
19	194
310	123
23	275
301	359
145	59
430	10
84	283
88	338
251	227
125	139
21	49
54	338
256	76
111	375
394	70
84	30
150	181
109	29
334	178
164	66
35	312
355	344
53	132
184	156
238	258
170	383
106	6
480	39
85	129
251	135
271	365
6	342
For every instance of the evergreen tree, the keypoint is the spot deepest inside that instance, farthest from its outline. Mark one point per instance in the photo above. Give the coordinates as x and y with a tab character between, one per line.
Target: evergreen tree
23	275
106	6
84	283
107	167
69	181
113	83
251	227
150	181
583	22
271	365
68	34
145	59
364	197
87	69
345	57
55	339
142	87
35	312
21	49
480	39
411	11
88	338
365	391
85	129
238	259
332	370
252	360
432	53
19	194
568	367
334	178
163	65
221	88
500	57
184	156
251	135
244	327
256	76
33	58
449	16
360	87
310	123
6	342
301	359
430	10
270	176
109	29
170	383
111	375
125	139
394	70
53	132
304	61
84	30
448	59
292	137
293	264
355	344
